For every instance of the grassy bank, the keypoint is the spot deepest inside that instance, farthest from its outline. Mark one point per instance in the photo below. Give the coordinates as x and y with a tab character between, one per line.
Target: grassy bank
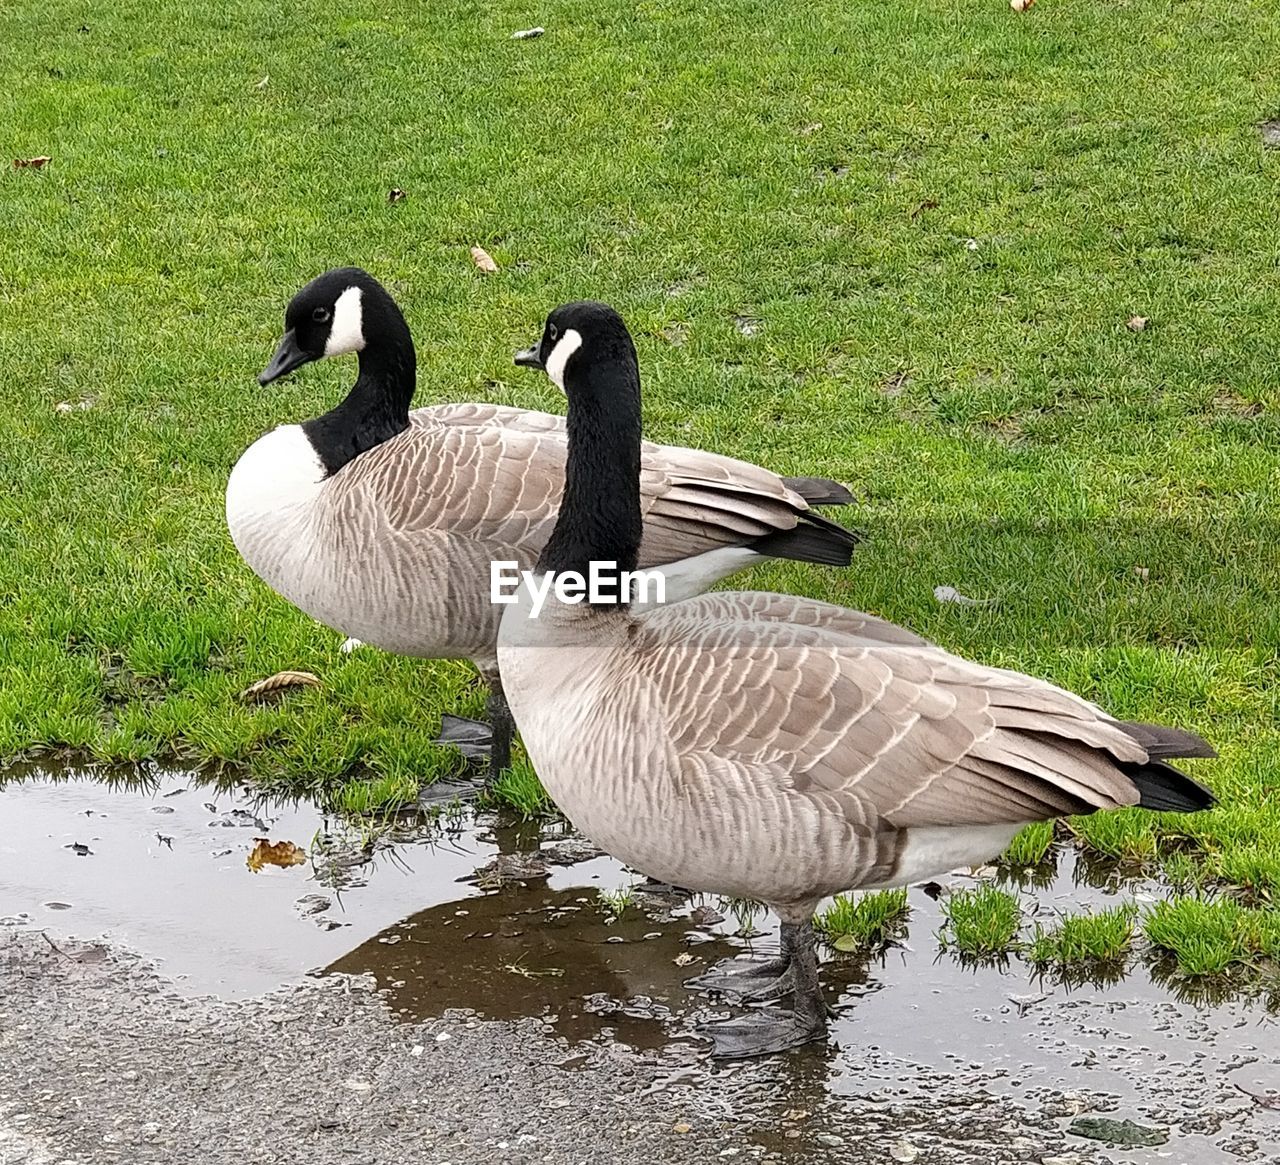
940	220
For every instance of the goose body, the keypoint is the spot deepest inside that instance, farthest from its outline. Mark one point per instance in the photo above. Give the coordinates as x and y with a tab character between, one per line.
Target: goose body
775	748
395	548
383	522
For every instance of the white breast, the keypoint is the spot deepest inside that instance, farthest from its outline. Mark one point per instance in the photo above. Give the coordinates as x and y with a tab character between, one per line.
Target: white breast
277	474
325	544
273	495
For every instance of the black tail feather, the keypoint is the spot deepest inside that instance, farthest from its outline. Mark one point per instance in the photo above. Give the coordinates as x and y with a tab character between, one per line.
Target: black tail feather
819	491
1160	785
1164	788
813	539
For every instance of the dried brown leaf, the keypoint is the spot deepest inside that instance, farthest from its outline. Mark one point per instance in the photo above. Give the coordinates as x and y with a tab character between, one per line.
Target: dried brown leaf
273	687
31	163
274	853
1137	323
483	261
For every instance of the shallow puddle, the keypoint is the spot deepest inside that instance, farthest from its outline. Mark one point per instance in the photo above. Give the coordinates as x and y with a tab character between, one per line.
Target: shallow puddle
509	923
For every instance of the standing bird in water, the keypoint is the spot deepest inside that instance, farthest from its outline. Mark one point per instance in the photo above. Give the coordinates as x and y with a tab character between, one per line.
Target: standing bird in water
771	747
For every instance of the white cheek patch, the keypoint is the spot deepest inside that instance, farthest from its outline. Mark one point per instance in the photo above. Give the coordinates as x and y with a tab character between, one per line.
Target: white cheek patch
347	332
567	345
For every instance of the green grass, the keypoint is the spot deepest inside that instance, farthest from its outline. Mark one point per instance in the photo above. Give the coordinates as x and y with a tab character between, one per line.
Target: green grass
1130	835
981	923
1031	846
613	903
1083	939
519	788
356	797
818	167
866	923
1214	937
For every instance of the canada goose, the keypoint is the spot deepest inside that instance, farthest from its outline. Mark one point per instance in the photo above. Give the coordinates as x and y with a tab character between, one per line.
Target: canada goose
772	748
383	522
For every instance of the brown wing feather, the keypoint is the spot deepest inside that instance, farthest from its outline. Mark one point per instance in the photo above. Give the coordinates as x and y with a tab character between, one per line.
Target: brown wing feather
494	474
912	735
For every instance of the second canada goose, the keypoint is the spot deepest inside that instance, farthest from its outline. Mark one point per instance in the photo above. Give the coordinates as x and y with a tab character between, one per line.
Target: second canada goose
382	522
772	748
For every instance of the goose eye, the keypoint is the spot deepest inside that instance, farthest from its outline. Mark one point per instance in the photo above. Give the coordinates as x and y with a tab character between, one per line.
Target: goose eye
553	332
320	315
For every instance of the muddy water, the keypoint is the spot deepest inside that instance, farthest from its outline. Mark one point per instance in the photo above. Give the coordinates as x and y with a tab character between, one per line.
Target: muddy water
509	923
166	874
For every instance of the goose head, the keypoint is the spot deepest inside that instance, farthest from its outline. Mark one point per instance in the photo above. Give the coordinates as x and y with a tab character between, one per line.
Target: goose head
344	310
578	338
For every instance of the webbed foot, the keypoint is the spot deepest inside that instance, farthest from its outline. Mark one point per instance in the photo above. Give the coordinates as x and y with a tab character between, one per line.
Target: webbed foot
762	1033
747	980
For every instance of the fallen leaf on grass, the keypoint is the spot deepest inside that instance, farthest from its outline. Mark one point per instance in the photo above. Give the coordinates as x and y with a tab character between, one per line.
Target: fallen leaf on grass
31	163
264	82
1270	131
73	406
1137	323
395	194
1021	5
809	130
273	687
483	261
527	33
1142	572
277	853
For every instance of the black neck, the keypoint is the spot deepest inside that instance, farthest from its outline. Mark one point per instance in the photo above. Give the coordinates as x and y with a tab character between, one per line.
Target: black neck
377	407
600	512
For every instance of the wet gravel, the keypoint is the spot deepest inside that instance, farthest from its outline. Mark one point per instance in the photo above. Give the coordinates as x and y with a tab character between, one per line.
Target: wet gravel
101	1061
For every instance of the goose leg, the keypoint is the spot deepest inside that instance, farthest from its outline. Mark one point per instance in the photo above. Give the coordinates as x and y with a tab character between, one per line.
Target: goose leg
760	1033
749	980
503	728
478	741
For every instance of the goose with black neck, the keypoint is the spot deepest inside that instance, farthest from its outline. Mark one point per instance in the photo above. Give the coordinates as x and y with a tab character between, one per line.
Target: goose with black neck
384	521
773	748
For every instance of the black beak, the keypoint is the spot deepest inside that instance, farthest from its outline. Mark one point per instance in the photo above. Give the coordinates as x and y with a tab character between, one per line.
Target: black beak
288	357
531	358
